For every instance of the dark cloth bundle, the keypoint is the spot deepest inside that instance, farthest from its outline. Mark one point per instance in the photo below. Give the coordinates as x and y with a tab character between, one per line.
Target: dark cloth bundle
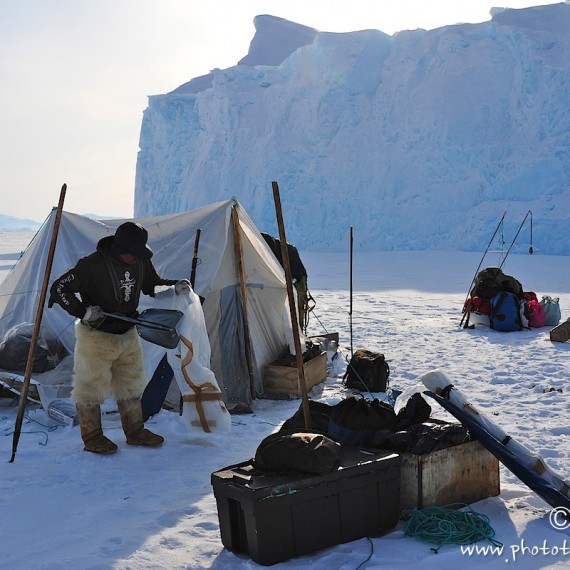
355	420
423	438
297	451
15	348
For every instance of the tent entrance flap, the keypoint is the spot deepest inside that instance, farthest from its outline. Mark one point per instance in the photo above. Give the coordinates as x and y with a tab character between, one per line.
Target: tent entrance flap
156	325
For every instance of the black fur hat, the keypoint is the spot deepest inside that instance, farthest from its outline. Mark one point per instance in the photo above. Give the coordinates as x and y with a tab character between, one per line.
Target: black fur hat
131	238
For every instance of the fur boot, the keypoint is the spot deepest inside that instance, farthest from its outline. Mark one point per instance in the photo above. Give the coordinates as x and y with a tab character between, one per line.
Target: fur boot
133	425
91	430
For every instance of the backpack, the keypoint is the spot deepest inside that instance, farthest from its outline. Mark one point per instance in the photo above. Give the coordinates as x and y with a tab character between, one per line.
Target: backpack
533	310
491	281
505	312
367	371
551	308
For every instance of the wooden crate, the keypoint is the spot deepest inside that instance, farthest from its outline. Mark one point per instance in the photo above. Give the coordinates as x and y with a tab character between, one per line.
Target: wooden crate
463	473
560	333
282	381
331	336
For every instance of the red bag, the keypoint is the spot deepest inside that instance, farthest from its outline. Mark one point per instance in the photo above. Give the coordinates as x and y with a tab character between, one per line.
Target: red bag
478	305
533	310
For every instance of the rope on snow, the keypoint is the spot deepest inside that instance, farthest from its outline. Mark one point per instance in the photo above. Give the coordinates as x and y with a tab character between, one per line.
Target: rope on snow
448	525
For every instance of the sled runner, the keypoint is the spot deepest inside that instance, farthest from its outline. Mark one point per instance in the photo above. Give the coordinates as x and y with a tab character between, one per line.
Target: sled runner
528	466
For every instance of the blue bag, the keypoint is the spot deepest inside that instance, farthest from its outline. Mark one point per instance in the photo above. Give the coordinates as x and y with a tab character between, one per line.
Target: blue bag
505	312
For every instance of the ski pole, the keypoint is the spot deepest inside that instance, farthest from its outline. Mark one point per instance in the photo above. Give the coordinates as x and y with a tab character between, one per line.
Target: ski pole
481	262
530	249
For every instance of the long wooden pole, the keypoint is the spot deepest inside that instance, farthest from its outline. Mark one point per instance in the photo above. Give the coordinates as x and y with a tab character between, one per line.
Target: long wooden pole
292	308
239	255
36	331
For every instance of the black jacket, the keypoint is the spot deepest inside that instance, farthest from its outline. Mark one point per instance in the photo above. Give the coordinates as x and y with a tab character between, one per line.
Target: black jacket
103	279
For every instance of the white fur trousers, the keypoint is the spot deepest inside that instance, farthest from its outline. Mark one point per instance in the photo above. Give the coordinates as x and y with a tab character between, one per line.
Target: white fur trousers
107	365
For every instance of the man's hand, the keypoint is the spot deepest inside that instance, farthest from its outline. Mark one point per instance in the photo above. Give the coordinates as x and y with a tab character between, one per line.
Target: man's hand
182	285
92	316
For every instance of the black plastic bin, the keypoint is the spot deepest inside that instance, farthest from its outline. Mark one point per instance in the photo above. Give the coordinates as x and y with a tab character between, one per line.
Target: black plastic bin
272	518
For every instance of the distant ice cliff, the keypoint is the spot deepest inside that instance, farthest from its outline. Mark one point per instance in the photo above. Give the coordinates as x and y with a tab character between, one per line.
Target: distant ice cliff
420	140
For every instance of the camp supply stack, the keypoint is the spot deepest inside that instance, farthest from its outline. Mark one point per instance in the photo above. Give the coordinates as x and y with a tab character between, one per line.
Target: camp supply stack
498	300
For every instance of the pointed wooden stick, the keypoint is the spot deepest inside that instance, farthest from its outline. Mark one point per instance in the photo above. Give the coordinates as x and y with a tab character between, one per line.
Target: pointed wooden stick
36	331
293	309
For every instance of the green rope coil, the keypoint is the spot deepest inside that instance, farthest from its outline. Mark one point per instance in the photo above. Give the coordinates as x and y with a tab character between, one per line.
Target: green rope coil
448	525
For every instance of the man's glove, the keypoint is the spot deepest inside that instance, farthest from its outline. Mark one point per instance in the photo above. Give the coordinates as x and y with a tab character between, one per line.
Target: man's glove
182	285
93	315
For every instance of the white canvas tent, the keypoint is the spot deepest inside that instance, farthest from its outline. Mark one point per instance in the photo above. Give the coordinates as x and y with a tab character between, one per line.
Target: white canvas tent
239	278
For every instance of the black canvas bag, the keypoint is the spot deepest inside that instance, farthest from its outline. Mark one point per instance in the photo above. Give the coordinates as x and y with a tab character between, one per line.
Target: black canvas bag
356	420
367	371
491	281
319	413
416	411
297	451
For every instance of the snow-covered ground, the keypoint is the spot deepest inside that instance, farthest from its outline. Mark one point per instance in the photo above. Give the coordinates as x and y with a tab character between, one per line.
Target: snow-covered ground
150	509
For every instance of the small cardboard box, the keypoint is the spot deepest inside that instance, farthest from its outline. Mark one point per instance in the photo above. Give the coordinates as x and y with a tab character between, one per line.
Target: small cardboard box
464	473
282	381
273	517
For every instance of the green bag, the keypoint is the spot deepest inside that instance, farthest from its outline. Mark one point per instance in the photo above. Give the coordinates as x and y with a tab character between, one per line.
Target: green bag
552	313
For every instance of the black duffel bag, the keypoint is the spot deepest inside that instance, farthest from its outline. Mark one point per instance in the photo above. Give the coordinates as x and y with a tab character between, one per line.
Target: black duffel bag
357	421
297	451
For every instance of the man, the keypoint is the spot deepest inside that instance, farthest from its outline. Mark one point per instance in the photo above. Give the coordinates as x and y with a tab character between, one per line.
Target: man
108	359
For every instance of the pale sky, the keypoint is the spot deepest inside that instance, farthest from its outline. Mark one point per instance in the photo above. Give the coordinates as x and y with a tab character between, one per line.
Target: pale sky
75	76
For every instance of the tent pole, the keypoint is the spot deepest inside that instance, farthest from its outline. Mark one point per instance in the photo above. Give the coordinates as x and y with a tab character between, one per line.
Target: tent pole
350	310
195	258
530	249
292	308
479	266
36	331
192	282
239	255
